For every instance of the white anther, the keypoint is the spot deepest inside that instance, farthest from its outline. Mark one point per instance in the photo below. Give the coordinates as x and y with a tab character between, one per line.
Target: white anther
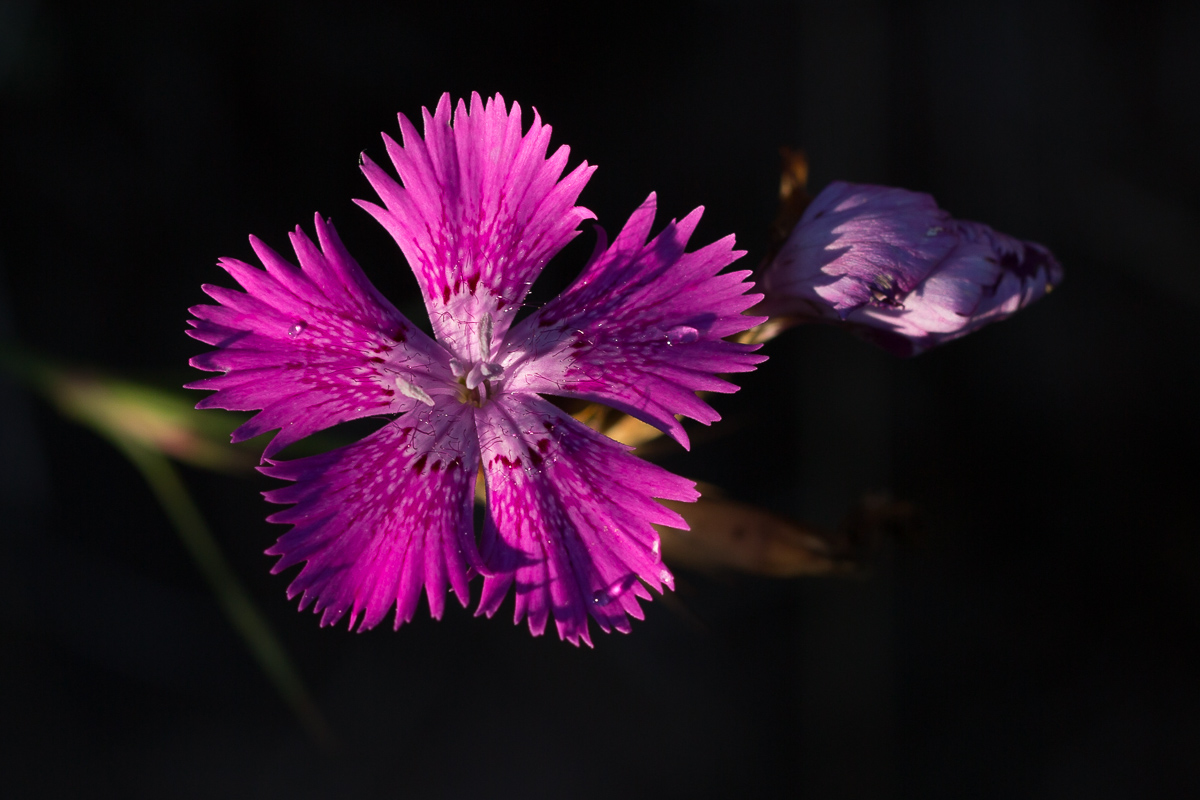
486	329
411	390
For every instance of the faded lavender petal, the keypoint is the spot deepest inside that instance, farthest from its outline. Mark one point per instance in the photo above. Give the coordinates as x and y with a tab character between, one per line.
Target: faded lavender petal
900	270
569	512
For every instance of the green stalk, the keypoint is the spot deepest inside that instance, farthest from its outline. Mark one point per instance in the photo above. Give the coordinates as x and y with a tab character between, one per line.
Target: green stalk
144	423
243	614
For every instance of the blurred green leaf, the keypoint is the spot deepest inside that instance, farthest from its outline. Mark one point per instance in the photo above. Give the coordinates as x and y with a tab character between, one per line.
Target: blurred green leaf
148	424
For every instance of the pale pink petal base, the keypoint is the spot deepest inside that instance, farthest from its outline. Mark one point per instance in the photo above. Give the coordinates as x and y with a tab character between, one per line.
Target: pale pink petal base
569	520
382	519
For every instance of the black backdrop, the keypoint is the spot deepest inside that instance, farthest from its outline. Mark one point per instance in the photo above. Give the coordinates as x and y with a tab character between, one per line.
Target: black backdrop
1038	640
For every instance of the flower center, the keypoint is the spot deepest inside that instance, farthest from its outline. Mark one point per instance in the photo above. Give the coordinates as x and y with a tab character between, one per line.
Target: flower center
475	382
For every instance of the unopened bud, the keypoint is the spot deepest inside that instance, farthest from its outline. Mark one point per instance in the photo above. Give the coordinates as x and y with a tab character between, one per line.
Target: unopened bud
901	270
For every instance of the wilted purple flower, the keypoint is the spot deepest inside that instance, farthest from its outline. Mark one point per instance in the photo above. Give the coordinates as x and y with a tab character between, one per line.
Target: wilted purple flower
900	269
569	512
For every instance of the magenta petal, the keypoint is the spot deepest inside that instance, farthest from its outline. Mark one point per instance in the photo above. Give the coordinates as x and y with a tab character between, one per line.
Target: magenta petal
642	328
311	347
569	519
481	210
382	519
478	210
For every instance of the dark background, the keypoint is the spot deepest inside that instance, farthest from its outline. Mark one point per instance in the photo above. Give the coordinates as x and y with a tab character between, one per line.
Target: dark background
1038	640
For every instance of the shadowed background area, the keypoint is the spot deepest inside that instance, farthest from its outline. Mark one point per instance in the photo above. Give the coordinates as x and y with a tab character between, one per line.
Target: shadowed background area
1038	638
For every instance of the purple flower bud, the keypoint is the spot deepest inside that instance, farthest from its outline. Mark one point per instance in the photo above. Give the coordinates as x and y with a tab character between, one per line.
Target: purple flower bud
901	270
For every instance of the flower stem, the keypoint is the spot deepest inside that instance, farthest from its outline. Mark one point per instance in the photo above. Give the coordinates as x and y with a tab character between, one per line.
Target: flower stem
133	419
243	614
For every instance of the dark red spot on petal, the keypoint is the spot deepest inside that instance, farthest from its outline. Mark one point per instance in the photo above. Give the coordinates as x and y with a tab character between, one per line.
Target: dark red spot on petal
436	466
473	283
543	445
534	458
446	293
419	464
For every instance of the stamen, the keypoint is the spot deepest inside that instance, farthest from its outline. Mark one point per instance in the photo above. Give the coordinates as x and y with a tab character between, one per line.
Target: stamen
486	328
414	392
475	377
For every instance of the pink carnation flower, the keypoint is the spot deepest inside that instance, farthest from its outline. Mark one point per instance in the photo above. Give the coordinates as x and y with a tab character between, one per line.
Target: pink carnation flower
900	269
569	512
